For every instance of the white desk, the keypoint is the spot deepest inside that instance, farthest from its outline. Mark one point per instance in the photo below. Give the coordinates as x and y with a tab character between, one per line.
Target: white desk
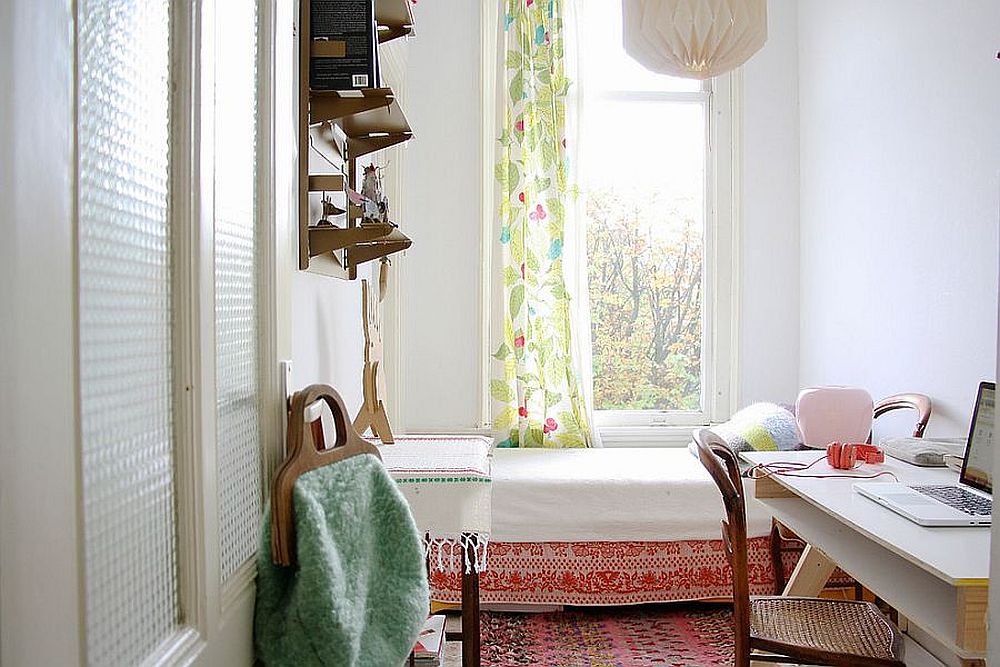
936	577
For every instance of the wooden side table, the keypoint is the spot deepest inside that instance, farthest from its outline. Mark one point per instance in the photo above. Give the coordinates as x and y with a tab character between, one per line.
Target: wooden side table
447	481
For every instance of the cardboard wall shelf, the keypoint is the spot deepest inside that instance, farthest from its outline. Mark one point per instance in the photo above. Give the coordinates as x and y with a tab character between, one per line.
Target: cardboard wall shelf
339	251
323	239
326	183
338	127
371	119
330	105
367	251
394	18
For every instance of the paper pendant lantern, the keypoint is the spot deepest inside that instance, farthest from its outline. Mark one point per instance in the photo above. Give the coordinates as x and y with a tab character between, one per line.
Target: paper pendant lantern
696	39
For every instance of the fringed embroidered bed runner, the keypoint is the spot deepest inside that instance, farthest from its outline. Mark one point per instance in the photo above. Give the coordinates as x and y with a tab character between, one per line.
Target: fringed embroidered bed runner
610	573
448	483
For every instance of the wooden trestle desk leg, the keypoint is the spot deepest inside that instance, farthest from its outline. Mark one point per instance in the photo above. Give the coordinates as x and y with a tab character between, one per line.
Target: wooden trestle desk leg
972	615
470	607
811	573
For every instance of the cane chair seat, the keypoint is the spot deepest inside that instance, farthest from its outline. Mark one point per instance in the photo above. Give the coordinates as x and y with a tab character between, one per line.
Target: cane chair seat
843	632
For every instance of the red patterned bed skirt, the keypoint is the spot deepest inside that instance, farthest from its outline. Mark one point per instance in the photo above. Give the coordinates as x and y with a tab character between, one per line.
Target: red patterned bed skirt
607	573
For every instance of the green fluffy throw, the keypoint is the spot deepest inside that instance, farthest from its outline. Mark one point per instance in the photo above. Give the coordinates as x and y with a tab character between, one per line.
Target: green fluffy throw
358	595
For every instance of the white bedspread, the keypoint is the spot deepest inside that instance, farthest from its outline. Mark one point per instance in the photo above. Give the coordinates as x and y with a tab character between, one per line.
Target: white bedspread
613	494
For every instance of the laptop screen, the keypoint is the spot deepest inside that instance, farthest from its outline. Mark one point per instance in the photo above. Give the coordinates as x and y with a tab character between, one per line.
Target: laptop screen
977	469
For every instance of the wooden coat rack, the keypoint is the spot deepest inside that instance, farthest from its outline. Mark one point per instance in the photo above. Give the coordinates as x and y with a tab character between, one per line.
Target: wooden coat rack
372	413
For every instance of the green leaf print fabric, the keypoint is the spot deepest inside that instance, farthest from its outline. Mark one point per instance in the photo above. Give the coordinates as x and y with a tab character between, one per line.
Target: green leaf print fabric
535	390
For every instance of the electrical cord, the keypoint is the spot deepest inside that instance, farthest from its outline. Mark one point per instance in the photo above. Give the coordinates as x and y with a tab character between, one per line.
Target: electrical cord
798	468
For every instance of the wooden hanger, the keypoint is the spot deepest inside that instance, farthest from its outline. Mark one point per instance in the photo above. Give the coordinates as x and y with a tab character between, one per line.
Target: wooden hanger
307	451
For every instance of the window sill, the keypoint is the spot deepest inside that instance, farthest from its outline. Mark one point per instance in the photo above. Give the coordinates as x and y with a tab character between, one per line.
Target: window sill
646	436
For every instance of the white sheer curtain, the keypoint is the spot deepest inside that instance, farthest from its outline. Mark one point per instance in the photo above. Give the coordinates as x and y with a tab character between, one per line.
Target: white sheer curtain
575	258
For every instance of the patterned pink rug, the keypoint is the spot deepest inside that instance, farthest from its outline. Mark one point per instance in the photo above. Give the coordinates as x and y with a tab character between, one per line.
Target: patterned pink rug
653	635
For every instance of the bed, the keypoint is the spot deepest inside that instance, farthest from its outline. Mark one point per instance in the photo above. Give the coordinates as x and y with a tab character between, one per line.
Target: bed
607	527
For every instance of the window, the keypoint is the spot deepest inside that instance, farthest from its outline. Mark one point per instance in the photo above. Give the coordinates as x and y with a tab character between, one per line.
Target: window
655	166
655	170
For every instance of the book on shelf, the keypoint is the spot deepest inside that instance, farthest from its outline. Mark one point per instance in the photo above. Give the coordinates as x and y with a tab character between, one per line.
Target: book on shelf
344	47
430	643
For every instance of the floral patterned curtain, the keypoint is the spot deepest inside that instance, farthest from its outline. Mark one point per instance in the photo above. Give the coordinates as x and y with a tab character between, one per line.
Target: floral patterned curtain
536	392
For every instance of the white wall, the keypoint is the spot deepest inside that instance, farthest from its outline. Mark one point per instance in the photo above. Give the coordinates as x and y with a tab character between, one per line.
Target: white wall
439	277
327	338
326	332
900	151
993	626
441	272
432	313
769	243
896	165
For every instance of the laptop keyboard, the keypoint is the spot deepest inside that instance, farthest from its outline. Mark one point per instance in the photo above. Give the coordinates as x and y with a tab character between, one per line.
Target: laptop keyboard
959	498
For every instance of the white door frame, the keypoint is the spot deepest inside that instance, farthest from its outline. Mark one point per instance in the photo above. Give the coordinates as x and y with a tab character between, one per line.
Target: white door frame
41	599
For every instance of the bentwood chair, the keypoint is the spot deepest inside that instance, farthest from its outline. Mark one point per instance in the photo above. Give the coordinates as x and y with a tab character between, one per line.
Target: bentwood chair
811	631
785	541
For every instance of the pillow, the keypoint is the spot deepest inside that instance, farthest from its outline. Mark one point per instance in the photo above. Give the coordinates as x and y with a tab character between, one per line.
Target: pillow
760	427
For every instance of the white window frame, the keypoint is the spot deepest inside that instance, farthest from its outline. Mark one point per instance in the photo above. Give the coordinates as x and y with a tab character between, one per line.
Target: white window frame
719	278
720	286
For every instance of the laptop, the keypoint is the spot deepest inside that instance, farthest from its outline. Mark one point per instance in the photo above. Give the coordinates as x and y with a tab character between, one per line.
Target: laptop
970	502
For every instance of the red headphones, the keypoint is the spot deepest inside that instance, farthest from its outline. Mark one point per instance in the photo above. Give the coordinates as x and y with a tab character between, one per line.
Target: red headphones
844	456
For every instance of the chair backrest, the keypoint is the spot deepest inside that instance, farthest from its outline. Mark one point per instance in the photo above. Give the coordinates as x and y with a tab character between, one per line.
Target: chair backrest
845	414
918	402
720	461
828	414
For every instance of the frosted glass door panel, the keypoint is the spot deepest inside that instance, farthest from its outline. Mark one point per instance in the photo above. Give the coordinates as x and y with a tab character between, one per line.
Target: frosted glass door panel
125	328
236	285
